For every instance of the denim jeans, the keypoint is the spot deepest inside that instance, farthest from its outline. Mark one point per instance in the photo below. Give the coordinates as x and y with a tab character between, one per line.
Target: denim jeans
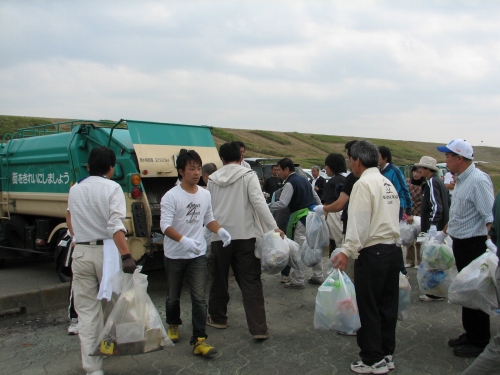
196	271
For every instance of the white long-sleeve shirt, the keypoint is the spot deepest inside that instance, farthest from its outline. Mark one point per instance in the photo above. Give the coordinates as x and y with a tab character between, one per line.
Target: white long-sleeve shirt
373	213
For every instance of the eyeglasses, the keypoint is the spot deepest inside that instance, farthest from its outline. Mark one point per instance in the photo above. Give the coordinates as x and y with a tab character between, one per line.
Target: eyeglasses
349	159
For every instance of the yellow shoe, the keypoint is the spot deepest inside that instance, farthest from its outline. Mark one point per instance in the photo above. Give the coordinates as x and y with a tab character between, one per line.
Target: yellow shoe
203	348
173	332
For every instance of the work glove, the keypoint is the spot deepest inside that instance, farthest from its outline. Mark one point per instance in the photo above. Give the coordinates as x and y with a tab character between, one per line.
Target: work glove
190	245
128	265
318	210
432	231
439	237
490	245
224	236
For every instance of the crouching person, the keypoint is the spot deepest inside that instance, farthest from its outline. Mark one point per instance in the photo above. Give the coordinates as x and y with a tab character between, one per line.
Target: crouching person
184	210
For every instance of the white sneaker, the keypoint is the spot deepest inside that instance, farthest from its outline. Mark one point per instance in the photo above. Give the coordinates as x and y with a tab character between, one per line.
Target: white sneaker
377	368
389	359
424	298
73	327
285	279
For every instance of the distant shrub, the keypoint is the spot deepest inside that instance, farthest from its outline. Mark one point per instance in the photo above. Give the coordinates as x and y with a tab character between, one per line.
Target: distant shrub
272	137
264	151
224	135
307	139
328	138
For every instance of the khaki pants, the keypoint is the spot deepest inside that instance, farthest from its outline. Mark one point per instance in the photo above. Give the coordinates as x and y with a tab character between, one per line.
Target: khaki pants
87	274
297	275
335	227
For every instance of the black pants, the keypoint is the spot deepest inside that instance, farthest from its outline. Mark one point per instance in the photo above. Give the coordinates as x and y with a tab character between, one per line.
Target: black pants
376	279
240	255
476	323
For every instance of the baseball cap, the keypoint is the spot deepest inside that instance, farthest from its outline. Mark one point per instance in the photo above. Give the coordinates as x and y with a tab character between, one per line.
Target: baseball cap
460	147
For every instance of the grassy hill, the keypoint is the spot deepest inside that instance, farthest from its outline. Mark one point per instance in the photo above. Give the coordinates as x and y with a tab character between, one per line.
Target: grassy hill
306	149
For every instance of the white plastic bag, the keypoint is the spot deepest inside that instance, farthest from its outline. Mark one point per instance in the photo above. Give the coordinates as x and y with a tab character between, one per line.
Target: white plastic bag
404	297
336	307
317	234
475	286
409	232
134	325
437	268
310	256
330	265
275	253
294	260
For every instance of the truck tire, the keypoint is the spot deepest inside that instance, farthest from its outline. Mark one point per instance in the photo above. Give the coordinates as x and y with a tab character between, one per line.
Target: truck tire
64	273
15	232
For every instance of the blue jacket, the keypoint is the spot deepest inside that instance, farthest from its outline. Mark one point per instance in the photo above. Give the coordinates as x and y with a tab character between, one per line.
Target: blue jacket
394	174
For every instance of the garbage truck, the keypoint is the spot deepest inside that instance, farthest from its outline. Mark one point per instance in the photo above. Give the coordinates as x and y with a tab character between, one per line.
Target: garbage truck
38	165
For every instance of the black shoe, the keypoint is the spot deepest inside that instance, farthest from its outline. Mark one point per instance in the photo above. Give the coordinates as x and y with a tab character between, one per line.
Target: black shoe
461	340
467	351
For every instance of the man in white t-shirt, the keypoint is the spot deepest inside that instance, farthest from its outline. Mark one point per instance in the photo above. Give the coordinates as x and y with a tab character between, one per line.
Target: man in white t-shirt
243	149
449	182
185	209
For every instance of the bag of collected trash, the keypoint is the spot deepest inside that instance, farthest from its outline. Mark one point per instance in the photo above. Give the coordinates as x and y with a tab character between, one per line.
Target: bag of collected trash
404	297
336	307
310	256
134	325
437	268
409	232
475	285
294	260
316	231
275	253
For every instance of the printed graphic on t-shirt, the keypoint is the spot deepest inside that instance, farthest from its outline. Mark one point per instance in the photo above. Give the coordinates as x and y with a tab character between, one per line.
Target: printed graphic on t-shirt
193	214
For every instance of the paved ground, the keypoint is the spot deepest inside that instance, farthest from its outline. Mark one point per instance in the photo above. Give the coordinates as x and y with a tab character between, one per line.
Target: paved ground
38	344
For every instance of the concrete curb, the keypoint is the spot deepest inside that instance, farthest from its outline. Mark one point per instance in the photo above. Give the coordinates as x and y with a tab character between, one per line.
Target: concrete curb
36	300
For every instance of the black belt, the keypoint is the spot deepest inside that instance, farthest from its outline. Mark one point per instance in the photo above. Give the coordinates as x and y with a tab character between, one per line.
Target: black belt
92	243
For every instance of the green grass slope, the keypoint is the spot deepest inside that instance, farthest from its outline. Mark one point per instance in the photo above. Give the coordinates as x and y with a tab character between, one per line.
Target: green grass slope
306	149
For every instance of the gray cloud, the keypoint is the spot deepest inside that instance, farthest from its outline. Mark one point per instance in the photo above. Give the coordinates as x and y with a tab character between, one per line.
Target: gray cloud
387	69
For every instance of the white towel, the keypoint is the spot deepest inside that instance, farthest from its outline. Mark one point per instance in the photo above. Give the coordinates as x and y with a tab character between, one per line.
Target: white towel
110	266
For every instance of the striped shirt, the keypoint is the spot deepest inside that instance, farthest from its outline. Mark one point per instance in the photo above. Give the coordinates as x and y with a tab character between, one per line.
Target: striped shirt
471	205
97	208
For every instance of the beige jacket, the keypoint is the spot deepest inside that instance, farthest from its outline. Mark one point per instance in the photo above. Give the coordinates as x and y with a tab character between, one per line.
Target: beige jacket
238	203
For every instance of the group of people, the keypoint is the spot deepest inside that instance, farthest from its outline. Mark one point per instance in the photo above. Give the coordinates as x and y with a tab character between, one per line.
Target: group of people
363	210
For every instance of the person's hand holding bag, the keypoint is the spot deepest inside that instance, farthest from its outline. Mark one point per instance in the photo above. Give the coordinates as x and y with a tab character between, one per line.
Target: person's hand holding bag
128	263
224	236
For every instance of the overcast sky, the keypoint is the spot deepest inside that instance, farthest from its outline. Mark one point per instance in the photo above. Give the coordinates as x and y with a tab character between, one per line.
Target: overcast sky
411	70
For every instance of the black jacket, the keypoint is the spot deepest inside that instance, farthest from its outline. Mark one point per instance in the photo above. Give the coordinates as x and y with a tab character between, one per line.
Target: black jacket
435	204
320	184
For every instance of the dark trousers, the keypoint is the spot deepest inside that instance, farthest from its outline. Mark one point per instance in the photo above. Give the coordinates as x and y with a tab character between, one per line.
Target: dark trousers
247	270
196	271
376	279
476	323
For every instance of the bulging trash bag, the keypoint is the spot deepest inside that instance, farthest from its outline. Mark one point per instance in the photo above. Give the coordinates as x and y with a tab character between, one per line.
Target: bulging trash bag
310	256
404	297
409	232
336	307
275	253
474	287
134	325
317	231
294	260
437	269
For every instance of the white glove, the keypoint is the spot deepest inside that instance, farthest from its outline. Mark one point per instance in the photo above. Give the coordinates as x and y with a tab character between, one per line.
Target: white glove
490	245
318	210
440	236
193	246
224	236
432	231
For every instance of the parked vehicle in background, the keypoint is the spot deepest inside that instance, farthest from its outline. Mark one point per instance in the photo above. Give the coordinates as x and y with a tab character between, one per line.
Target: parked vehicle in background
321	173
38	166
263	167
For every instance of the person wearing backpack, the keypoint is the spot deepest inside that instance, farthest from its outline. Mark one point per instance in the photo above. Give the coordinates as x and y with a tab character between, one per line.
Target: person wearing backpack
335	167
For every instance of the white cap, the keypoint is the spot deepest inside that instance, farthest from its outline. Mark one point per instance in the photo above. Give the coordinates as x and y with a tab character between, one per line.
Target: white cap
460	147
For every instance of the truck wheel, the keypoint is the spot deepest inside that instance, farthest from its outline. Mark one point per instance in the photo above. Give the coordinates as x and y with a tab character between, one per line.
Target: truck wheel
14	231
64	273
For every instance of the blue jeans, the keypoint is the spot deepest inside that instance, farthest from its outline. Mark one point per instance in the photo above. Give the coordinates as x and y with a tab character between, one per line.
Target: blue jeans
196	271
